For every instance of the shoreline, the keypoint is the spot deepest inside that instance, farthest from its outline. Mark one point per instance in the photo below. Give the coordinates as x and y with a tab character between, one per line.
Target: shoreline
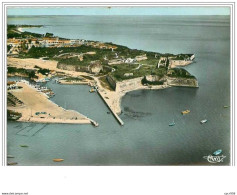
112	98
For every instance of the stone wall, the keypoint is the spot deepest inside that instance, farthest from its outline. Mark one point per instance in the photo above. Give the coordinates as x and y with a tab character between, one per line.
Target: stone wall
152	78
128	84
174	63
182	82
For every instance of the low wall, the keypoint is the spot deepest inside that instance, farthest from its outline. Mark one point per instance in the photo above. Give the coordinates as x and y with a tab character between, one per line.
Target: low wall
111	82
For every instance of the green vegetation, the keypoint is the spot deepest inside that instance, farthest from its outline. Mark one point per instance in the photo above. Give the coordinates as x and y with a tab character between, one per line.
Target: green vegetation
12	31
44	71
144	70
78	57
182	56
105	83
22	71
11	115
74	79
179	72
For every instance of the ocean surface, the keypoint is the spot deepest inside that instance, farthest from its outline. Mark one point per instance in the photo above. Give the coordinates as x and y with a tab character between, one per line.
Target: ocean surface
146	138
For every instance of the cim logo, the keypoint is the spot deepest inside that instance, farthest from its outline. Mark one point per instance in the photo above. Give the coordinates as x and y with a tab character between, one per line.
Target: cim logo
214	159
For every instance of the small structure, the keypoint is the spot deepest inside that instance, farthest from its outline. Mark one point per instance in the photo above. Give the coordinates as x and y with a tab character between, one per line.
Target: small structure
129	60
141	57
128	74
115	61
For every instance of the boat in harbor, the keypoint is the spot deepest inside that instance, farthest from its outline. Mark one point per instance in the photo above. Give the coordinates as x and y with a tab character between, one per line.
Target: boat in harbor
217	152
10	156
24	146
172	124
92	90
185	112
203	121
58	159
12	163
94	123
226	106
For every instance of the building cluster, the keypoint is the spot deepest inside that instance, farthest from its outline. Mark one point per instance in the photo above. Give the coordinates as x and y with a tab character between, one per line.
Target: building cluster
16	45
128	60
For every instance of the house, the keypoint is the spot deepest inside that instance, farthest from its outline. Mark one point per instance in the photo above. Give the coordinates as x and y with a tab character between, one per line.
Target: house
115	61
129	60
128	74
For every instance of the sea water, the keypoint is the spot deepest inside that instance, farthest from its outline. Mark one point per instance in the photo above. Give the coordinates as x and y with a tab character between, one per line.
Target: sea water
146	138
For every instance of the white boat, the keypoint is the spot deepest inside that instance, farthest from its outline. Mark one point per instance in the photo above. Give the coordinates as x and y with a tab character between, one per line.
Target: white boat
203	121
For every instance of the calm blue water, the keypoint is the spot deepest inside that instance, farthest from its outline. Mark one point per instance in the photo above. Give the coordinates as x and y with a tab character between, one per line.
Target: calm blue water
146	138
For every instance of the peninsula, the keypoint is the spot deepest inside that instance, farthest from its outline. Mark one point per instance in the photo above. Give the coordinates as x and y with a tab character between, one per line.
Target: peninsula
111	69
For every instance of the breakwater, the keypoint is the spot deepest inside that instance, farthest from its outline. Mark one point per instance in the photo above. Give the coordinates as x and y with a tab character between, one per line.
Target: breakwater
115	115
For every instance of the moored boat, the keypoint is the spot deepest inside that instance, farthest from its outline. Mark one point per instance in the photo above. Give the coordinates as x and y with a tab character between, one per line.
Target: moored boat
92	90
172	124
10	156
185	112
58	159
12	163
203	121
217	152
226	106
24	146
94	123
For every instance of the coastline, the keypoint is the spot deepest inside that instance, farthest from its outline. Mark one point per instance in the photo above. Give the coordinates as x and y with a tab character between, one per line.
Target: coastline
112	98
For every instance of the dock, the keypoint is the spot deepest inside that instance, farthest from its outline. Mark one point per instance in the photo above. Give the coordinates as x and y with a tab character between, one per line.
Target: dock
114	114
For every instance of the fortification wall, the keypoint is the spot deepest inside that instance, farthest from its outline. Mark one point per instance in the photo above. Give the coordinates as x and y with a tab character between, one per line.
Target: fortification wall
111	81
182	82
174	63
130	84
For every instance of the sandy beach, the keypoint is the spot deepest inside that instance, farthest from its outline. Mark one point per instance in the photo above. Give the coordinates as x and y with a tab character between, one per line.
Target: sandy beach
38	108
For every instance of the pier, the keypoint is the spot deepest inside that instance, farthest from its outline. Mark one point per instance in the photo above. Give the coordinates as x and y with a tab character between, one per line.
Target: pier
115	115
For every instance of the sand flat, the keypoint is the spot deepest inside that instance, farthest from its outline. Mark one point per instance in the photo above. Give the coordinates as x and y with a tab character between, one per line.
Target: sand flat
35	101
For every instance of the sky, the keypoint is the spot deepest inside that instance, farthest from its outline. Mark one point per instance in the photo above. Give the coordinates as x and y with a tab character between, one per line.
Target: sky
118	10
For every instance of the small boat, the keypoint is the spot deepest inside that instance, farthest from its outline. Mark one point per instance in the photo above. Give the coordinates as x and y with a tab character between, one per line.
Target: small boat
92	90
226	106
203	121
185	111
12	163
24	146
108	112
58	159
172	124
10	156
95	123
217	152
